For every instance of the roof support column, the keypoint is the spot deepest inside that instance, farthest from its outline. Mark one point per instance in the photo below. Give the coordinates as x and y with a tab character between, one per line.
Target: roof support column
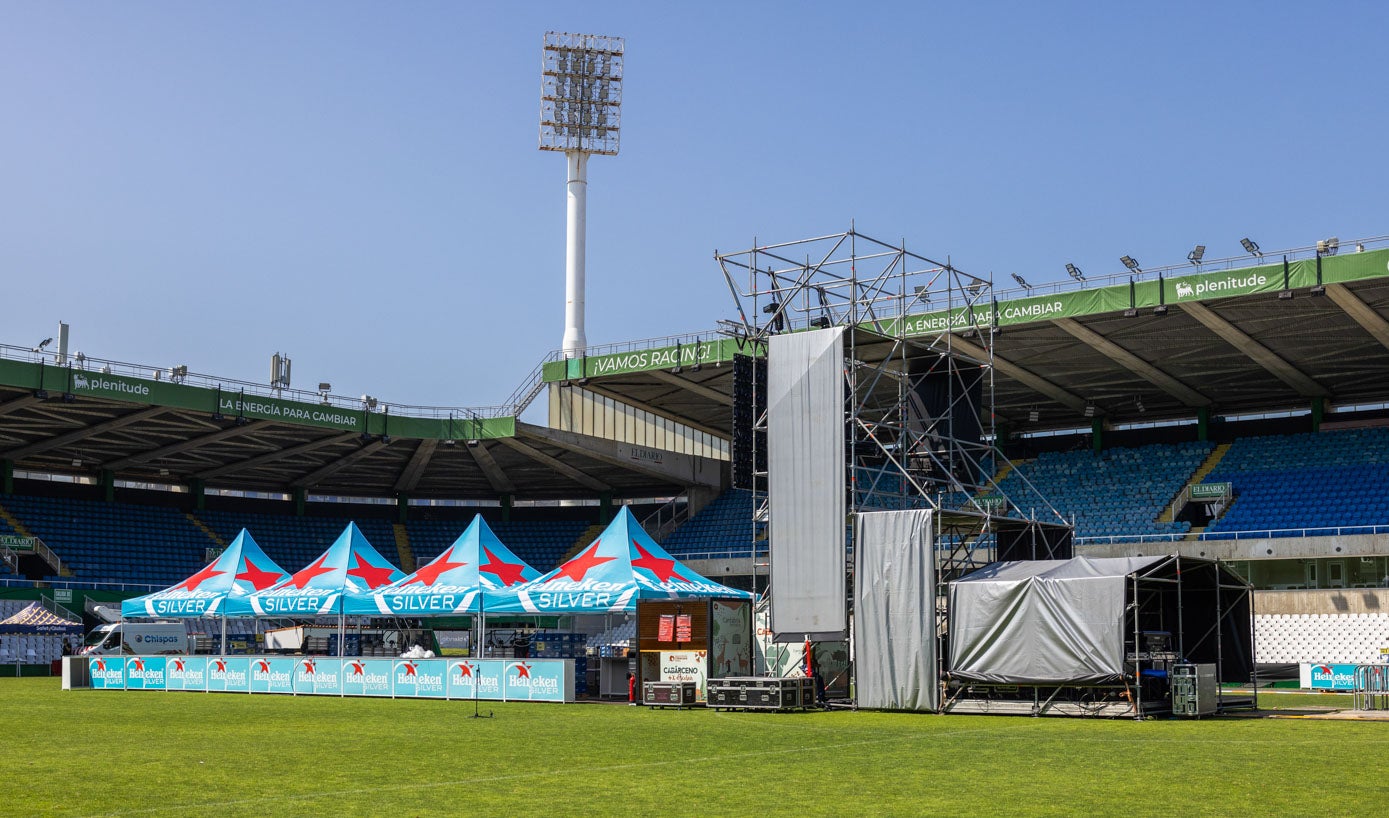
1203	424
108	485
506	507
198	488
301	496
605	507
402	507
1318	409
7	476
1096	436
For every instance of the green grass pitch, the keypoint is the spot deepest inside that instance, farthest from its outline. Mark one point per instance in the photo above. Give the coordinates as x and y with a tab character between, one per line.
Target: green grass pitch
155	753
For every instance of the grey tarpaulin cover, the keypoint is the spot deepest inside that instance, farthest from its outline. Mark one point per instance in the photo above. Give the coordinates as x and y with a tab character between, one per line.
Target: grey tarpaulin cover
1041	622
805	483
894	611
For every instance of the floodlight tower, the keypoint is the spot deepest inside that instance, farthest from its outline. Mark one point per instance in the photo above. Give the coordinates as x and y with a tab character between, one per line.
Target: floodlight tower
580	114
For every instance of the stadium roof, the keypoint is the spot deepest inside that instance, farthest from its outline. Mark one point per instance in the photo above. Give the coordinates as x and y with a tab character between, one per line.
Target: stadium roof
1230	341
1239	340
95	417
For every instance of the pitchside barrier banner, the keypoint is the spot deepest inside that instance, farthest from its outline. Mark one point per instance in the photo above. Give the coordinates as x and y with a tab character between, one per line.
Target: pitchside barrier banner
537	680
1320	676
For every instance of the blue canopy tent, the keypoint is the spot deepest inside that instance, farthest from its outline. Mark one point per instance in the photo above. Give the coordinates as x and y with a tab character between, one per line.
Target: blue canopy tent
242	569
622	566
450	584
350	565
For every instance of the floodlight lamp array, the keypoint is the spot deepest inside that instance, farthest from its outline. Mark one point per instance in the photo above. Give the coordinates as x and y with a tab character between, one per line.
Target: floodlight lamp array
581	93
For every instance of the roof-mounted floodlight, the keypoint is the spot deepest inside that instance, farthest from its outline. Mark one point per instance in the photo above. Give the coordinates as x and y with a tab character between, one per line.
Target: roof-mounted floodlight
1022	282
1131	263
1074	272
1251	247
1196	255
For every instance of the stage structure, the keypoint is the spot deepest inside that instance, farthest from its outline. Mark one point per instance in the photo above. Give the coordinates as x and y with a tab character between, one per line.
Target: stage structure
580	115
850	401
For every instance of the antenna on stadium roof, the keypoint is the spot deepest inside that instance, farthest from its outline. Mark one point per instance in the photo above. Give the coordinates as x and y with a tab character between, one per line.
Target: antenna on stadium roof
279	371
580	115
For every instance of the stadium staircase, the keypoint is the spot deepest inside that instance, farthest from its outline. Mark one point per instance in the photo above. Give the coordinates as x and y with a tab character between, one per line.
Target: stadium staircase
724	528
211	535
402	547
41	551
1207	466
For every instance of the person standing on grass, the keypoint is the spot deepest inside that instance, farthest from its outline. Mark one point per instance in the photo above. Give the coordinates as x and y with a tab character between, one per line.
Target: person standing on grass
631	688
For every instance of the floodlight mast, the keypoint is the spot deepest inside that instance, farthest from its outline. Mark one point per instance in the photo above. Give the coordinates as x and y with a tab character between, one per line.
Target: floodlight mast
580	107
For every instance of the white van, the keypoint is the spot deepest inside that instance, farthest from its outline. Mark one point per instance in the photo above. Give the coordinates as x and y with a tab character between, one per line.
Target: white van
137	639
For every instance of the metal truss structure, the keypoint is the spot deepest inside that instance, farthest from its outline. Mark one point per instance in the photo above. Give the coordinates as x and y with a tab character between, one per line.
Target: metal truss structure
919	411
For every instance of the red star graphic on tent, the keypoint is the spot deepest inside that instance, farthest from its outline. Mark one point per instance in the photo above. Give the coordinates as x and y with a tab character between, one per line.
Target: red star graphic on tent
578	567
221	665
306	575
465	669
429	574
192	583
178	665
139	663
358	668
523	670
409	668
374	577
264	666
308	666
507	573
663	569
253	574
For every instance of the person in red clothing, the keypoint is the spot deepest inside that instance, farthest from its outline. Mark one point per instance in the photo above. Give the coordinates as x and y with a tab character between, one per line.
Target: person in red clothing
631	689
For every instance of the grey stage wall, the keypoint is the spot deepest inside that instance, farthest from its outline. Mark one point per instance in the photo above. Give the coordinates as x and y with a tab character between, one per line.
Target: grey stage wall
894	611
805	483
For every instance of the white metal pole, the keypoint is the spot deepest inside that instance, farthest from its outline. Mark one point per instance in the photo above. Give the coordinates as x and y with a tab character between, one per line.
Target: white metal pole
574	340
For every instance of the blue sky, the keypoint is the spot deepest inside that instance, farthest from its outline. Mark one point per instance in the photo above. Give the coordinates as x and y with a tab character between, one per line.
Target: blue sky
358	185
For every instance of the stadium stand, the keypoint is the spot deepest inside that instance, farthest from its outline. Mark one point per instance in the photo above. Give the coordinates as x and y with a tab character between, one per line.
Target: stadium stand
114	542
1118	493
720	529
1305	481
1350	638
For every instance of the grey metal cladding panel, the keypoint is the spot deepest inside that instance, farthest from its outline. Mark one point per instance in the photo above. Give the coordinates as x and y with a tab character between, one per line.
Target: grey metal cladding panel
805	460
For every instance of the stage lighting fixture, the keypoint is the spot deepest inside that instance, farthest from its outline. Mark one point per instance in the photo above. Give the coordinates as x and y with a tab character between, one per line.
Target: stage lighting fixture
1034	416
771	307
975	288
1022	282
1318	290
472	444
1130	313
1251	247
1131	263
1285	295
922	294
1075	272
1160	309
450	442
820	322
1196	255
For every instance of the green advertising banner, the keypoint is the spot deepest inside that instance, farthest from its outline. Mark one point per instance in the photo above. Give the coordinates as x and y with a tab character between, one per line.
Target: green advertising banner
17	543
232	403
1206	491
1196	286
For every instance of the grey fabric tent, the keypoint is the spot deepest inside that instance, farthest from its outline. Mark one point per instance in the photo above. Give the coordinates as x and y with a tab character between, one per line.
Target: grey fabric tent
1079	621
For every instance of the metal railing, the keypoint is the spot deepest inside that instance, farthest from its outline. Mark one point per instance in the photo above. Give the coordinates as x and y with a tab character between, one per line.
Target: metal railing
1253	534
1370	687
665	519
79	585
233	386
1151	274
